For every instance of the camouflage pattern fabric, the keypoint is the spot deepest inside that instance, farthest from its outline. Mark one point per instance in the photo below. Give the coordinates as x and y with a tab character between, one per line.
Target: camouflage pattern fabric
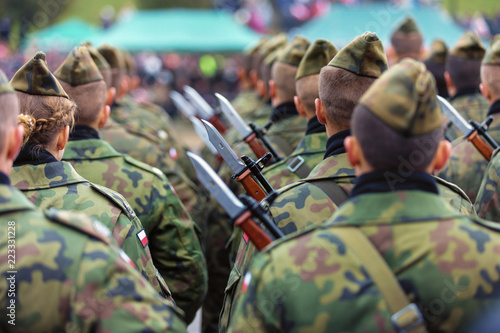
78	68
58	185
171	233
466	167
5	86
471	107
292	287
247	103
294	51
311	149
286	134
71	277
469	46
487	201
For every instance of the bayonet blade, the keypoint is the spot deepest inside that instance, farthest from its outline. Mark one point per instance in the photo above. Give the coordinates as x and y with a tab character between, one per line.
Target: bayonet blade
455	117
182	105
233	116
205	110
212	182
199	128
223	148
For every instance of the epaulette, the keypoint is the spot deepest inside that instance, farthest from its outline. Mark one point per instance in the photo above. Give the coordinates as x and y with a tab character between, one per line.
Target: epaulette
455	188
117	198
143	166
81	223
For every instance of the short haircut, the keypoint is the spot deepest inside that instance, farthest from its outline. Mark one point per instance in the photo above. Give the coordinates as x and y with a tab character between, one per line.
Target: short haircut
90	98
386	149
284	78
308	90
490	76
407	44
265	74
108	77
50	114
9	109
117	75
465	73
340	91
437	71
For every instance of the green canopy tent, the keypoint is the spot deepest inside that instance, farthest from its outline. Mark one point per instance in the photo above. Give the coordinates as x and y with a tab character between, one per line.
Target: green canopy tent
342	23
179	30
62	36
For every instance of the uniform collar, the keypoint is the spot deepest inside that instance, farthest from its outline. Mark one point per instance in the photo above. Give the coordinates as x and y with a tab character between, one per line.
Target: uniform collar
466	91
335	143
494	108
82	132
4	179
314	126
284	111
13	200
392	181
86	149
34	155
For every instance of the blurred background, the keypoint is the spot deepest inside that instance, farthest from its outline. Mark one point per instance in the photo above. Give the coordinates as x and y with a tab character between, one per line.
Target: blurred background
199	42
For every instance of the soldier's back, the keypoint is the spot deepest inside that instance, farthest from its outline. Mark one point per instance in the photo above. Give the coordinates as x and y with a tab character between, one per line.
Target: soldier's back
471	106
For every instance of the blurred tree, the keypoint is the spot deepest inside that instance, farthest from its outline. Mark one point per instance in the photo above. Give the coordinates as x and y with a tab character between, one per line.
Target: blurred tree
155	4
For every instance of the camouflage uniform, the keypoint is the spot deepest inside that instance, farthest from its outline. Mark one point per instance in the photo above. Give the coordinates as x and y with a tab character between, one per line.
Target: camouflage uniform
84	284
317	280
51	183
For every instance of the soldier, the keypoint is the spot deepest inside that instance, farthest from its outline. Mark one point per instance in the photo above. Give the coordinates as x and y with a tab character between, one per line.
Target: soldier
311	148
406	42
467	166
462	79
173	242
487	201
387	260
435	63
47	114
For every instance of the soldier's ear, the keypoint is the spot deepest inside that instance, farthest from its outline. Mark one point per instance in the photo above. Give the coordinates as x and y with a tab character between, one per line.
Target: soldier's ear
299	106
254	77
449	84
443	153
14	142
262	89
320	111
353	151
110	97
103	116
272	89
124	87
485	91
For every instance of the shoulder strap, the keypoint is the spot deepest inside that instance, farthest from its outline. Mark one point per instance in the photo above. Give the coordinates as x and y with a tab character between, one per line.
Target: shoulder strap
298	166
406	317
332	190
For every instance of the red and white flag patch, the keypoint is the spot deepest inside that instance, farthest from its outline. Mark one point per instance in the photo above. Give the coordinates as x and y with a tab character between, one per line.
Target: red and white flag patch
173	153
246	282
126	258
143	238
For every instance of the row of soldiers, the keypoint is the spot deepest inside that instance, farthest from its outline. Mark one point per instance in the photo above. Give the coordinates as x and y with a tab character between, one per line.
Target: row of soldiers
375	241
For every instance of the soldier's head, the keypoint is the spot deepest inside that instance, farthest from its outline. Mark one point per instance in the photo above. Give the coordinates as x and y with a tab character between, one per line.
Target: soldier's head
46	110
435	64
263	61
84	84
346	78
11	135
131	71
490	73
116	61
105	70
407	41
397	124
282	83
247	74
463	64
307	78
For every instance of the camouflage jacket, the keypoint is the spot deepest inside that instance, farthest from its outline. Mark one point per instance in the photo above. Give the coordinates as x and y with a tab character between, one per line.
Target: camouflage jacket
286	134
312	281
471	106
84	275
305	157
147	152
58	185
173	241
466	167
247	103
487	201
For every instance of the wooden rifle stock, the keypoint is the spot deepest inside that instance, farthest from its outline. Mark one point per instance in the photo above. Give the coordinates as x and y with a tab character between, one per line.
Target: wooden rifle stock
481	145
256	234
255	145
251	186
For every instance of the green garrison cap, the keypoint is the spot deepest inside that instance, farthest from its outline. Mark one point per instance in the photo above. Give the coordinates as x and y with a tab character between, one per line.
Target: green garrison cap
404	98
271	58
469	46
492	56
34	78
255	47
99	60
408	26
439	51
293	52
317	56
113	56
274	43
5	86
364	56
78	68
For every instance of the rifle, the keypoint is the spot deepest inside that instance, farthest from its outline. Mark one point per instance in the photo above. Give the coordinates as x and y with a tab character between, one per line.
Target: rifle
205	111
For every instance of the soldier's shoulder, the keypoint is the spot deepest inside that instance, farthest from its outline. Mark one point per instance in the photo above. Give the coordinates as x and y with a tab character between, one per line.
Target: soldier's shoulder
143	166
445	185
115	198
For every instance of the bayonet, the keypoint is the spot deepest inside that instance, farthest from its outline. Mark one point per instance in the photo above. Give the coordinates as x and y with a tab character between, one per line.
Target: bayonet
205	111
237	211
199	128
182	105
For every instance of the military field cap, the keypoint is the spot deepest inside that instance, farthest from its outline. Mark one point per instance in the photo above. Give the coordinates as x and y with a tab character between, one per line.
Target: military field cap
271	58
469	46
5	86
364	56
78	68
408	26
274	43
317	56
294	51
96	56
404	98
130	64
492	56
34	78
254	47
113	56
439	51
